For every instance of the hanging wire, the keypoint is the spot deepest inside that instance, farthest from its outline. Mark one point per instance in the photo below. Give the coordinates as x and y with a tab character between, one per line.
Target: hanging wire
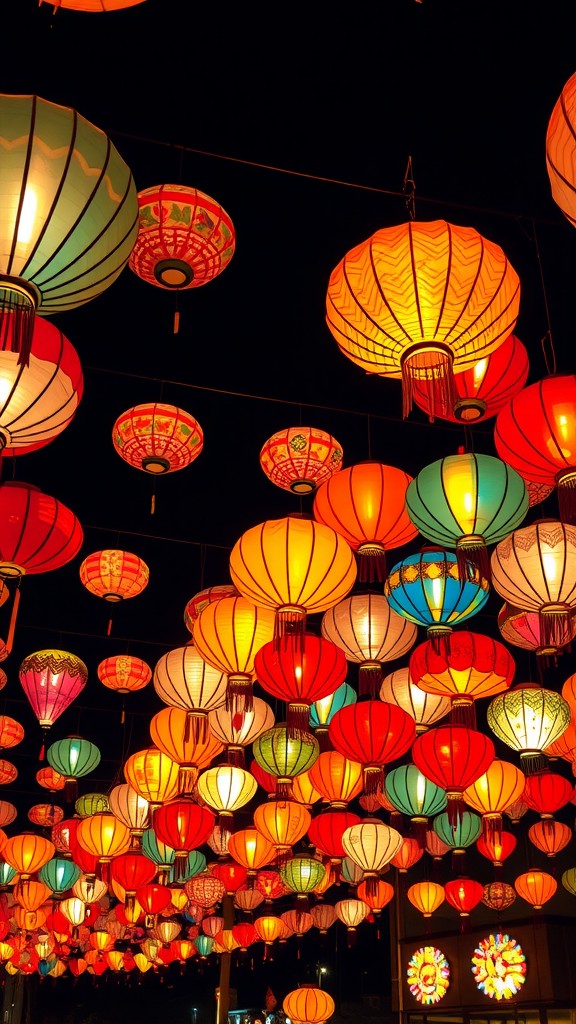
409	190
547	342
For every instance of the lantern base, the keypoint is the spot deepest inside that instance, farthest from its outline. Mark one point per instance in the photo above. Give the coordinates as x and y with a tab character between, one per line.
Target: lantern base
302	486
431	365
555	622
472	558
155	465
469	410
566	489
173	273
371	559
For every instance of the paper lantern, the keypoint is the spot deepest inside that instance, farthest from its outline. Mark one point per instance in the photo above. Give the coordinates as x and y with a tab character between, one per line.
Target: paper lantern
131	870
45	815
8	772
300	673
426	896
8	813
467	502
153	775
131	808
183	679
461	835
337	779
427	589
103	836
422	300
38	533
294	566
231	875
40	399
226	788
197	603
561	150
365	504
282	822
191	750
238	731
425	708
11	732
524	629
124	673
114	575
300	459
549	836
50	779
369	632
27	853
411	793
74	757
59	874
157	438
528	718
251	849
92	7
453	757
308	1004
481	391
535	435
284	756
302	874
371	845
497	846
500	785
372	733
408	854
51	680
69	212
184	826
325	832
269	881
463	894
498	896
536	887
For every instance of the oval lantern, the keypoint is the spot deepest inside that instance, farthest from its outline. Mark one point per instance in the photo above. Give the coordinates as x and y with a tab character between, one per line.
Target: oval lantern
114	575
300	673
91	7
37	532
184	680
74	757
528	718
285	756
536	887
157	438
561	150
421	301
453	757
310	1004
236	732
523	628
300	459
372	733
190	750
426	896
425	708
51	680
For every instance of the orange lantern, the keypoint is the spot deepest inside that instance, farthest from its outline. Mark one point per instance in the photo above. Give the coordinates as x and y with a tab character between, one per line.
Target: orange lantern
536	887
426	896
31	894
378	895
153	775
190	749
45	815
408	854
422	300
268	928
337	779
492	792
549	836
8	772
124	673
104	836
27	853
294	566
308	1003
197	603
92	7
50	779
114	575
282	822
11	732
365	504
300	459
250	848
157	438
561	150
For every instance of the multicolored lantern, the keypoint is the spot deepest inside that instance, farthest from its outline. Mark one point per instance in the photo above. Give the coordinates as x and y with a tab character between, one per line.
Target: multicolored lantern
420	301
114	575
300	459
157	438
428	975
499	966
51	680
524	629
529	719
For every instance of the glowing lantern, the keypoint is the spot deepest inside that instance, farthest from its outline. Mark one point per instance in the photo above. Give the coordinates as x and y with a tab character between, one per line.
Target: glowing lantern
534	569
500	785
251	849
59	874
453	757
282	822
268	928
550	837
245	934
153	775
414	795
206	890
409	854
427	589
498	896
284	756
369	632
302	874
365	504
466	502
230	874
191	749
45	815
337	779
184	679
325	832
153	898
237	731
157	438
197	603
372	733
11	732
38	533
308	1004
481	391
536	887
50	779
226	789
524	629
422	300
300	673
131	808
114	575
103	836
528	718
124	673
371	845
74	757
426	896
322	711
561	152
463	834
27	853
185	238
184	826
463	894
131	870
31	894
8	813
425	708
8	772
38	400
70	212
497	846
300	459
295	566
546	792
51	680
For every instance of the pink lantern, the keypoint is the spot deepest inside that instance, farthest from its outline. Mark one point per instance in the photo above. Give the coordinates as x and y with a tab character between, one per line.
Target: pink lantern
51	680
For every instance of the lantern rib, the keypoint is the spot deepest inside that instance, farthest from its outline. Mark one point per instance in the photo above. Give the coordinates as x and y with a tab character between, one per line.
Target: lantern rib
25	171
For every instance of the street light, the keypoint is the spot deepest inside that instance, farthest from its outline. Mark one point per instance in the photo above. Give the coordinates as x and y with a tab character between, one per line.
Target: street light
320	972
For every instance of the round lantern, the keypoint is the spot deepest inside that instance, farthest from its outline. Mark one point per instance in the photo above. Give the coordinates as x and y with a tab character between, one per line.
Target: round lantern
308	1004
114	575
189	749
549	836
153	775
184	826
326	830
71	219
534	569
37	533
236	732
372	733
337	779
302	874
414	795
39	400
524	629
536	887
8	813
8	772
369	632
467	502
425	708
91	803
463	834
498	896
131	808
463	894
535	434
27	853
45	815
11	732
157	438
371	845
300	459
500	785
124	673
497	846
422	300
300	673
251	849
365	504
426	896
528	718
74	757
561	150
104	836
51	680
322	711
226	789
227	635
284	756
230	874
295	566
481	391
59	874
282	822
183	679
409	854
453	757
197	603
427	589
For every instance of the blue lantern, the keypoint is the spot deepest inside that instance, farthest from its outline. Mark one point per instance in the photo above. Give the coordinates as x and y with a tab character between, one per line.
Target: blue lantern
322	711
413	794
59	874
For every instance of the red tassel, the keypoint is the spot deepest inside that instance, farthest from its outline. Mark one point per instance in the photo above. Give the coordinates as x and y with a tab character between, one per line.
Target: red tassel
18	303
239	694
463	712
492	829
566	491
369	678
439	637
454	809
196	727
284	789
297	719
431	366
371	562
555	622
70	790
290	621
419	827
472	558
373	778
236	756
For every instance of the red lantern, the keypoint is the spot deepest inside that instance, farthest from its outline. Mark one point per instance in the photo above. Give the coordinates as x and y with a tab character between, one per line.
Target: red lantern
184	826
372	733
153	898
463	894
37	533
546	792
132	870
245	934
496	846
453	757
549	836
299	459
11	732
326	830
157	438
230	874
300	672
114	575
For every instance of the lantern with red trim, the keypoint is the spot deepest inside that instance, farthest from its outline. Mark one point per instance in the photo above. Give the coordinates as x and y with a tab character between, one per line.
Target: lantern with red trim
197	603
500	785
498	896
8	772
300	459
372	733
153	775
453	757
184	826
283	823
51	680
481	391
463	894
420	301
547	792
45	815
103	836
114	575
299	673
131	870
50	779
157	438
369	632
125	674
523	628
425	708
11	732
365	504
549	836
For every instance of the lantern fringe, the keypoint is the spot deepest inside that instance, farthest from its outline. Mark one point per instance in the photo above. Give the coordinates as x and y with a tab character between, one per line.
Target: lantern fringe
492	829
458	862
533	762
371	885
187	777
70	790
196	727
236	756
454	809
180	865
472	559
371	562
396	820
239	694
418	830
369	679
439	637
463	712
351	936
297	720
284	789
432	368
289	622
373	779
322	735
566	491
225	822
555	622
17	317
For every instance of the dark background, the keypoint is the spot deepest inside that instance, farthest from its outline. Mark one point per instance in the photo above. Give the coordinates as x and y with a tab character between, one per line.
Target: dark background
300	120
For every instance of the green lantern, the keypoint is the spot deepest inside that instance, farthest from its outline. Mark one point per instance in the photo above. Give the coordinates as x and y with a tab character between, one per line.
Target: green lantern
59	874
7	874
302	874
68	213
458	836
73	757
413	794
91	803
467	501
194	864
284	756
569	880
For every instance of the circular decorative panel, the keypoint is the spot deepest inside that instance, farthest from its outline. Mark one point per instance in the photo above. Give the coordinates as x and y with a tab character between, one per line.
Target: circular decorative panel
428	975
499	966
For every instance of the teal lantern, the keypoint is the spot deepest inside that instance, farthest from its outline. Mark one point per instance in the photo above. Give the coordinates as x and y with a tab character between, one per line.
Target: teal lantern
194	864
91	803
73	757
464	832
204	944
7	874
467	501
302	874
414	795
59	874
158	852
68	213
427	588
322	711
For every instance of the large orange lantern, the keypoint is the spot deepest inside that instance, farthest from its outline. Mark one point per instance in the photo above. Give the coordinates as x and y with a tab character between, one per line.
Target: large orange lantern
157	438
426	896
124	673
300	459
27	853
251	849
365	504
105	837
492	792
153	775
419	301
561	150
192	751
293	566
536	887
282	822
336	778
308	1004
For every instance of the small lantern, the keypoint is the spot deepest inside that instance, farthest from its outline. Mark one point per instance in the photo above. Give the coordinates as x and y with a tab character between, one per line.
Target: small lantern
300	459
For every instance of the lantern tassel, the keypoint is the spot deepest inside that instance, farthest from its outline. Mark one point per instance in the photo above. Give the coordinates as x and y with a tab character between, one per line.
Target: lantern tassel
18	302
555	622
463	712
492	829
454	809
431	366
373	779
369	679
70	790
566	491
371	562
290	621
196	727
418	830
297	719
239	693
472	558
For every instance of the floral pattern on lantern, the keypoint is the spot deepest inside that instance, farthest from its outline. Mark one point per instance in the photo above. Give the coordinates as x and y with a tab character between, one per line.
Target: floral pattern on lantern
300	459
157	438
428	975
499	966
114	575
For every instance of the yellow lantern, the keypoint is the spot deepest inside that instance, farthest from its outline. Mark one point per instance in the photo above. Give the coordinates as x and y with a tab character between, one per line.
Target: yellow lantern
226	789
153	775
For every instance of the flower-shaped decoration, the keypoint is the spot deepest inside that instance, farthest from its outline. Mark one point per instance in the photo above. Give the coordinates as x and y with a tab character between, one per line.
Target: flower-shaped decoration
428	975
499	966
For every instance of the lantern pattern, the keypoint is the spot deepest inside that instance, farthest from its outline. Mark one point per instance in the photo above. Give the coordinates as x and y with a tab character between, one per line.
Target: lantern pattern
197	603
284	756
524	629
51	680
337	779
114	575
71	212
422	300
300	673
428	975
153	775
498	895
157	438
467	502
499	966
365	504
124	673
27	853
528	718
300	459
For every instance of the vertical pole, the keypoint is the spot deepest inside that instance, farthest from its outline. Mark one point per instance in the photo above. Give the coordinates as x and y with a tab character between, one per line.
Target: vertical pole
223	995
